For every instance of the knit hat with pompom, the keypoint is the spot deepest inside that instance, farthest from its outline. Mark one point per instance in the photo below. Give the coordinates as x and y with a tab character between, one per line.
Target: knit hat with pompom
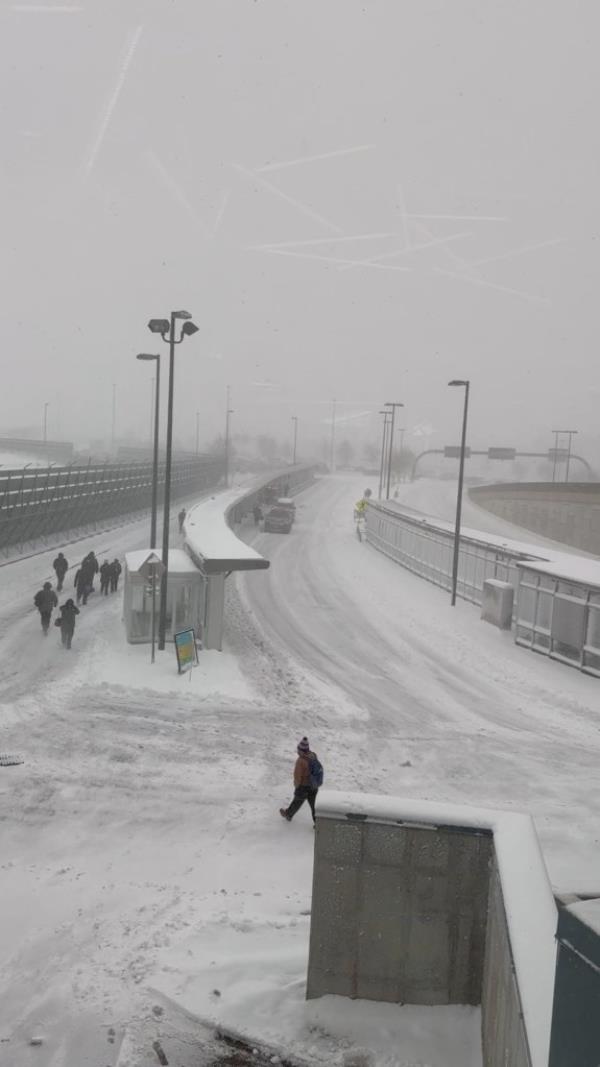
303	745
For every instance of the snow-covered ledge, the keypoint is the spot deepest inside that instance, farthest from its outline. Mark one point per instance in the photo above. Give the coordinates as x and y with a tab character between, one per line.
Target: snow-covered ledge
370	850
210	540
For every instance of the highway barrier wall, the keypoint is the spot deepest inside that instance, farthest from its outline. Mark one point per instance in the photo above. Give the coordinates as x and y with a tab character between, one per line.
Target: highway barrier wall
37	503
569	512
57	451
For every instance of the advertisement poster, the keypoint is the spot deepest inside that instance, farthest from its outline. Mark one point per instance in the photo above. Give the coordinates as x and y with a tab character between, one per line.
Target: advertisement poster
185	647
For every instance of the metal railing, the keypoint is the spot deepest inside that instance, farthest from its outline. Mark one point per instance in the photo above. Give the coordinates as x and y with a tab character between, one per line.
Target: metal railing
36	503
559	618
426	549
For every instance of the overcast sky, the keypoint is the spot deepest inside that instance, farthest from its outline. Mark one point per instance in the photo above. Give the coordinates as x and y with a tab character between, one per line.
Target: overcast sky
154	153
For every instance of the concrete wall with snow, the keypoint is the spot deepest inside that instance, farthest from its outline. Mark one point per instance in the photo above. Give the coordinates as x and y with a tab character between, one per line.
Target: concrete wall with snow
399	913
569	513
504	1038
425	903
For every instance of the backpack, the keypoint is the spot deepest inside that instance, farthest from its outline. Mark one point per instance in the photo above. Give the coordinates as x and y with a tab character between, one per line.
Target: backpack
315	771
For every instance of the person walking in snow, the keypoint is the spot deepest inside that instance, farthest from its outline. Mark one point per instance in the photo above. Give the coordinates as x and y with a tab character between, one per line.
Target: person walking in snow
68	612
61	567
181	518
84	579
45	601
308	777
257	513
104	577
115	570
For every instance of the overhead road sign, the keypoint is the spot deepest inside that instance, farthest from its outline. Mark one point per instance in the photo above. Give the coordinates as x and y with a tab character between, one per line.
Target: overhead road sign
501	453
453	452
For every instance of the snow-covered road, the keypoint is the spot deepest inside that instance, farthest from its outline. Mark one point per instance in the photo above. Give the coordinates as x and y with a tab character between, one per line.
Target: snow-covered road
476	718
143	858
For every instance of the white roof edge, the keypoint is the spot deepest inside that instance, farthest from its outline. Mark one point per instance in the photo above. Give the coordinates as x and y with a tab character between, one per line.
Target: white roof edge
528	900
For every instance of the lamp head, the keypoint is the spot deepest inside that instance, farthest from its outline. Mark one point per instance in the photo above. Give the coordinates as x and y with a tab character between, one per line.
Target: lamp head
458	381
146	355
159	326
392	404
181	315
188	329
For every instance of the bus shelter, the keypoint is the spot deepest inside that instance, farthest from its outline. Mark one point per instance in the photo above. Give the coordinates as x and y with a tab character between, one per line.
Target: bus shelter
186	592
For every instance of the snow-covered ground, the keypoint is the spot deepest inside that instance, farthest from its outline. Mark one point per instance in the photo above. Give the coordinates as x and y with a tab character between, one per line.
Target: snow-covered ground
146	874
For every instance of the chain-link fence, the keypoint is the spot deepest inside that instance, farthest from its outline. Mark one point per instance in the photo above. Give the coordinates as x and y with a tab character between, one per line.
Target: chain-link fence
37	503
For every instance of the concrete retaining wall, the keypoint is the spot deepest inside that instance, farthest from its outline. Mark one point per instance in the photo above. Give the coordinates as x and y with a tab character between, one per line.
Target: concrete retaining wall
413	913
504	1040
399	914
568	513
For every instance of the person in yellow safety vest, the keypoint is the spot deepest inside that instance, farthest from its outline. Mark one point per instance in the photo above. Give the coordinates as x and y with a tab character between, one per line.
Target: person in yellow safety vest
360	508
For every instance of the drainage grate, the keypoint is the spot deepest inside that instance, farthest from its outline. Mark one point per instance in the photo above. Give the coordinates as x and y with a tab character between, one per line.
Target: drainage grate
10	761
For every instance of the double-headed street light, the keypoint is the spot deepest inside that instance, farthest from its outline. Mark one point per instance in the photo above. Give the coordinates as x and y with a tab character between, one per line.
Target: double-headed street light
393	406
228	411
156	359
166	328
461	472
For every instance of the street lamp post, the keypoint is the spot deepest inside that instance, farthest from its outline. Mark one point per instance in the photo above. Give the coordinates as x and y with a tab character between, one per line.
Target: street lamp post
228	412
383	449
295	421
402	430
156	358
166	328
393	405
461	471
45	423
571	434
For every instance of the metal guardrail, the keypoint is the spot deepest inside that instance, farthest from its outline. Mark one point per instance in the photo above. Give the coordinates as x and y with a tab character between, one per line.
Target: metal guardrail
556	616
559	618
38	502
426	549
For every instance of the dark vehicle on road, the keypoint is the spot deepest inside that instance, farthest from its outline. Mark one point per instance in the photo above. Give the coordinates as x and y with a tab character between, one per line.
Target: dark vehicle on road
287	504
278	520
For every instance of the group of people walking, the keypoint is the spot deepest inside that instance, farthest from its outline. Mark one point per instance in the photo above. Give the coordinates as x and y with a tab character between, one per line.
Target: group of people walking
88	569
46	599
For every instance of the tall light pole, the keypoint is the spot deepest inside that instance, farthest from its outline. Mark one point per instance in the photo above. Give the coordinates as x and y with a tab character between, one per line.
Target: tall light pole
401	430
166	328
571	434
566	433
113	429
295	421
45	421
461	472
332	445
383	449
228	412
156	358
393	405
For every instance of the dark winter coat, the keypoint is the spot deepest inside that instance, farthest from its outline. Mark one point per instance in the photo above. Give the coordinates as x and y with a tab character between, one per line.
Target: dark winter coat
45	600
67	617
114	569
93	564
84	577
61	566
105	571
